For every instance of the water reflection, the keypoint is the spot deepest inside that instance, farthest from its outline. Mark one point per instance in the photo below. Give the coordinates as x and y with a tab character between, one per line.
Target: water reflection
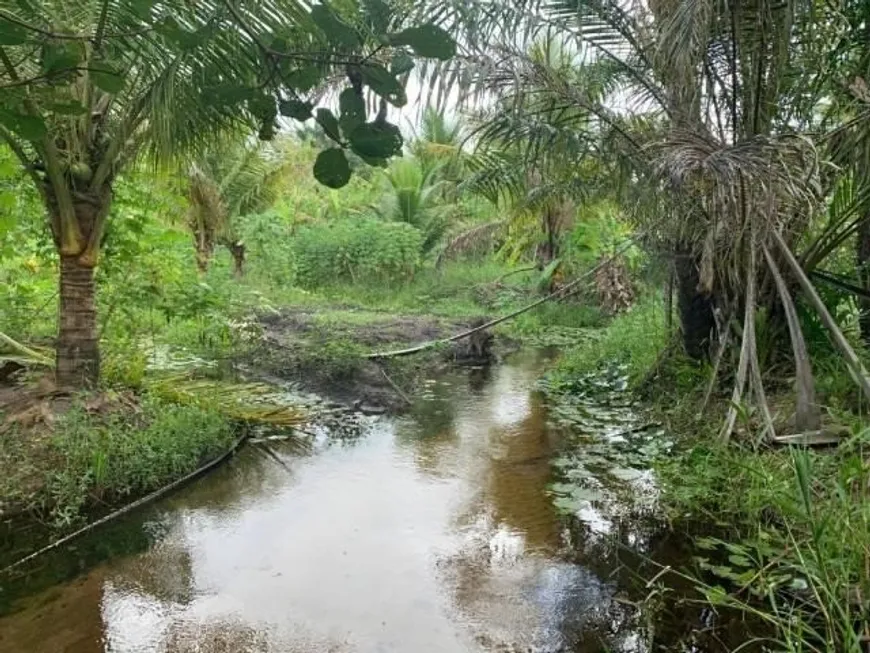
428	533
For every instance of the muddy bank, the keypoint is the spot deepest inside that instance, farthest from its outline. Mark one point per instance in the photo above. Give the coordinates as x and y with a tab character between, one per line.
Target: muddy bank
323	351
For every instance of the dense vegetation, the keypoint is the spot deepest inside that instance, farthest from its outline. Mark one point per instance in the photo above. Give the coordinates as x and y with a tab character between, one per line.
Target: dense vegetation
690	175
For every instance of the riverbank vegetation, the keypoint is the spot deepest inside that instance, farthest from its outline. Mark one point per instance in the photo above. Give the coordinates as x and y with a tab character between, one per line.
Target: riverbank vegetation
687	180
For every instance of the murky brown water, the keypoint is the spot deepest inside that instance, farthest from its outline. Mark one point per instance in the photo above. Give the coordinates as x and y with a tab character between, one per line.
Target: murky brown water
430	533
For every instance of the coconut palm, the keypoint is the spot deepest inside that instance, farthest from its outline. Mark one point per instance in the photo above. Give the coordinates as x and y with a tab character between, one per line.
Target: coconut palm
88	87
225	183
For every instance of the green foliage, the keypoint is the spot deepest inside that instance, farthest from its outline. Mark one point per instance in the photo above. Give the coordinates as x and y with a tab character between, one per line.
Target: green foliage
356	250
796	528
108	458
415	196
634	338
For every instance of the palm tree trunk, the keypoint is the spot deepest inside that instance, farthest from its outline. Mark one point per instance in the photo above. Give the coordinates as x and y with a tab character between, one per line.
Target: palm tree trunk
78	353
697	321
862	260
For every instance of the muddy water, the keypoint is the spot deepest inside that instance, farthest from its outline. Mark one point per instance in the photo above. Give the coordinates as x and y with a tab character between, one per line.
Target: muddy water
429	533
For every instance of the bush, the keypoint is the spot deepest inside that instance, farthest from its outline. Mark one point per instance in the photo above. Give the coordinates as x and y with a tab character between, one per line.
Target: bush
634	338
359	250
114	457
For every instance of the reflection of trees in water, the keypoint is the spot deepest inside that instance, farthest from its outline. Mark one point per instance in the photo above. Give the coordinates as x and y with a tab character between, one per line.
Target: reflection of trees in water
164	572
120	538
63	619
229	489
516	478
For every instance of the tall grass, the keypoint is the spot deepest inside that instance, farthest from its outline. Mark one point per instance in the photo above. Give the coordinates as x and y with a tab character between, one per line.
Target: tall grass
796	546
635	338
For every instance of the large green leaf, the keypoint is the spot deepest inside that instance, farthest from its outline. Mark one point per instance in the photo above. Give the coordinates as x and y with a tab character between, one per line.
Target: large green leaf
385	84
401	63
327	120
337	31
331	168
376	140
296	109
31	128
304	79
427	41
227	95
377	16
11	34
60	56
106	78
353	110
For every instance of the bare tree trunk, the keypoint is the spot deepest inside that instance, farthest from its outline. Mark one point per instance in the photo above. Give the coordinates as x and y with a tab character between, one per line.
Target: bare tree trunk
237	249
697	321
862	261
78	353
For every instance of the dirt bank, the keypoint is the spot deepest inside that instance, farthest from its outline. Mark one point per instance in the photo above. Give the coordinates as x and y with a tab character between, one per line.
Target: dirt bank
324	351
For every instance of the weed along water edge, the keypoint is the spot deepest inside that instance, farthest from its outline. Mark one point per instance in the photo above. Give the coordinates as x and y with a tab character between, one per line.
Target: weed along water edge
442	530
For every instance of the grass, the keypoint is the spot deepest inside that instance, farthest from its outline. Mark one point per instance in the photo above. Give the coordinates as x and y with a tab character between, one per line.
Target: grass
634	338
86	459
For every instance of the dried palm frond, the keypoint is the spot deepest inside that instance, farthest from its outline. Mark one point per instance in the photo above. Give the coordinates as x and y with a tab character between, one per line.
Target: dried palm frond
248	402
474	239
23	354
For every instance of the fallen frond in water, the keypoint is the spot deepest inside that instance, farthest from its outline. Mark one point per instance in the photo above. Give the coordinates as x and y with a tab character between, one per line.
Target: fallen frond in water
23	354
247	402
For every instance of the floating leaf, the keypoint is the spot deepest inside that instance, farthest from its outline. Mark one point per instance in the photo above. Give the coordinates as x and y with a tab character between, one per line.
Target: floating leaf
337	31
353	110
331	168
385	84
11	34
329	123
296	109
376	140
427	41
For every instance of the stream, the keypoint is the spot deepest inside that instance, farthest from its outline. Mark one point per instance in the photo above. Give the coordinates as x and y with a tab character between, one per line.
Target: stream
432	532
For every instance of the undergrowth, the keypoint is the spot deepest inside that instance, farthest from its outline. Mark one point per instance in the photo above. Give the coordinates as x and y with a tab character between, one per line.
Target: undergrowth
783	534
88	460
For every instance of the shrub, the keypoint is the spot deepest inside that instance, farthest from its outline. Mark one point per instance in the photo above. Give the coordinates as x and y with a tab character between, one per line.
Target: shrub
358	250
119	455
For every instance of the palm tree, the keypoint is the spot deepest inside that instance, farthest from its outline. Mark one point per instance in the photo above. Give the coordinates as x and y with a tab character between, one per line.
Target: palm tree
414	196
88	87
225	183
712	118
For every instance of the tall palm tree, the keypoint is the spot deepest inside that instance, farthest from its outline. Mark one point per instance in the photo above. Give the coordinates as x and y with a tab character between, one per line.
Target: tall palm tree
713	116
87	87
225	183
